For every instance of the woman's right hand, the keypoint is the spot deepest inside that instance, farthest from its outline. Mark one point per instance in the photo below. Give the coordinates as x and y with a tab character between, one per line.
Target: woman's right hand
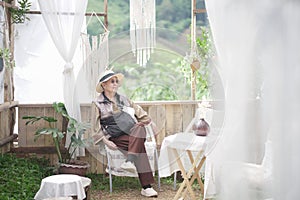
110	144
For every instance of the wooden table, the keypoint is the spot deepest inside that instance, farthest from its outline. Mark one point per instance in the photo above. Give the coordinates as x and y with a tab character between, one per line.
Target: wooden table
192	174
183	152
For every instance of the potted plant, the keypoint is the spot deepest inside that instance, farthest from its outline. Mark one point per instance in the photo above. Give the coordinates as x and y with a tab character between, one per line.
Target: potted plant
67	163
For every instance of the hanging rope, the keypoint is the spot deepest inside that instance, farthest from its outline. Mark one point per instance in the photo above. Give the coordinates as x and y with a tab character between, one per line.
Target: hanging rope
142	29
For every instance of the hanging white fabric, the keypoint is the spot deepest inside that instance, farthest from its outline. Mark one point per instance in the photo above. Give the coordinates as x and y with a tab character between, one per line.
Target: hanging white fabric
64	21
258	51
142	29
96	56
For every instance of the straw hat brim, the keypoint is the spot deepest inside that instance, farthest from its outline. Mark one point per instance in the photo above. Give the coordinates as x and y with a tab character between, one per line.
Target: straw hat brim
120	77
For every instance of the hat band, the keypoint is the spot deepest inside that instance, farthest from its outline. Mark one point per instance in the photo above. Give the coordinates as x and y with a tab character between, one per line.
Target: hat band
106	76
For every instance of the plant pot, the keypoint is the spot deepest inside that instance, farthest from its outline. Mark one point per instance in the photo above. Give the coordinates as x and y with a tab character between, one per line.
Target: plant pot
74	167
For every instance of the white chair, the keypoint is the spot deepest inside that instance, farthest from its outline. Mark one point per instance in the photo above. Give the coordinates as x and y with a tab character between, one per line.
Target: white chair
115	158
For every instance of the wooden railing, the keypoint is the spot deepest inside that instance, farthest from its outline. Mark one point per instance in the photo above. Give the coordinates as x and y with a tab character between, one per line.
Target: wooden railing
169	116
7	120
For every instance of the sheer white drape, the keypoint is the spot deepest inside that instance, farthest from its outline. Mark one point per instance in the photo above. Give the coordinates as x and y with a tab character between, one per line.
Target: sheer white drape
258	50
64	20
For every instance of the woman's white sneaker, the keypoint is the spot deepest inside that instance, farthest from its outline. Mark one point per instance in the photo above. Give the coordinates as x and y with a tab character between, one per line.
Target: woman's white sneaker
149	192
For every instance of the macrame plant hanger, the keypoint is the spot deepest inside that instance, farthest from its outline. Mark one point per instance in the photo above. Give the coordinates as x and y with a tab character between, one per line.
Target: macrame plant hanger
142	29
96	55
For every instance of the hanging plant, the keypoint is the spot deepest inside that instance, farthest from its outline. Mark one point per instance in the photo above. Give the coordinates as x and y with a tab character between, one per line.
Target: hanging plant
18	14
199	59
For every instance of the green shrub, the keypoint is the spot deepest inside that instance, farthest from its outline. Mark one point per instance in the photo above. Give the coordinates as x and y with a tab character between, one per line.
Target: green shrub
20	178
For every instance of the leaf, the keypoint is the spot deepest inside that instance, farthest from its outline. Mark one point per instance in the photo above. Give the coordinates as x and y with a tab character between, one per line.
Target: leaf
60	134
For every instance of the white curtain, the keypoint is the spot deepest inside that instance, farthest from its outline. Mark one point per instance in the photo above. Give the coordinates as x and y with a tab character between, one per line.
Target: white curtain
64	20
258	47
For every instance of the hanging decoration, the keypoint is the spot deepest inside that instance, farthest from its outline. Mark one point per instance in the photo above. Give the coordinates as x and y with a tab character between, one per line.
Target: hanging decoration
96	56
142	29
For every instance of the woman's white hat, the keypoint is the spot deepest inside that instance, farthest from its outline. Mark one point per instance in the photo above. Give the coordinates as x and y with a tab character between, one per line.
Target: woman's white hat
105	76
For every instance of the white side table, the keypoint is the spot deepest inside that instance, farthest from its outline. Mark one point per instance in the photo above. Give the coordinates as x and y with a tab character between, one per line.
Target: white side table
62	185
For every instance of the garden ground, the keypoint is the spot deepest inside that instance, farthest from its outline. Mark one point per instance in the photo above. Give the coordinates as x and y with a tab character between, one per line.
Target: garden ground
166	193
128	188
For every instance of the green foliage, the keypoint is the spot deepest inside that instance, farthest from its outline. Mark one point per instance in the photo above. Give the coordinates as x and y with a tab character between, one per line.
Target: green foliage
157	81
7	57
19	14
20	178
171	14
120	183
75	129
118	15
152	92
205	46
205	51
174	15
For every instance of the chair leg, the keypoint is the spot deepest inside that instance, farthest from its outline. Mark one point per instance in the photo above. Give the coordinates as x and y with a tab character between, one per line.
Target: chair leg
110	182
109	172
158	176
175	177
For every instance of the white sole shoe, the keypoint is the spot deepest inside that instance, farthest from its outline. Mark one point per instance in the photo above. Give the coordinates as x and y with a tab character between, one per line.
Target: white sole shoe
128	166
149	192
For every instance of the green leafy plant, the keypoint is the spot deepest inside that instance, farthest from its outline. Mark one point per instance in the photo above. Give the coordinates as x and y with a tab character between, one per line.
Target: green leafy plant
5	54
18	14
20	178
75	129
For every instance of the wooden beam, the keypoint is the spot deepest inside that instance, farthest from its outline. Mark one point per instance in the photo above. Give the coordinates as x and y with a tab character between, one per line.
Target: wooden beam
8	5
8	139
37	150
8	105
193	47
197	11
106	16
86	14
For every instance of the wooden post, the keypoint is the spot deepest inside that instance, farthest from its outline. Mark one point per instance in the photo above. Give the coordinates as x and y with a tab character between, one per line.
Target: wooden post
193	48
7	109
106	14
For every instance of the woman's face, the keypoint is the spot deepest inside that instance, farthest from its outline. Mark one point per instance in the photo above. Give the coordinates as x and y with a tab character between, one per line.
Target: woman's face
111	85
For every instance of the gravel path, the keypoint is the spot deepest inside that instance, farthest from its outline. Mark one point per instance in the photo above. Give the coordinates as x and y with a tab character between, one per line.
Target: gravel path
166	193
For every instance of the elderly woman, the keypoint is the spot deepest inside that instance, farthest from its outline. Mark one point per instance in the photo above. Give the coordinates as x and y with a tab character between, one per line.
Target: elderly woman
120	125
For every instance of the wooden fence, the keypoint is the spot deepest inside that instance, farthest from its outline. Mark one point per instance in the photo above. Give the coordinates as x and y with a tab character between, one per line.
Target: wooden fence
170	117
7	120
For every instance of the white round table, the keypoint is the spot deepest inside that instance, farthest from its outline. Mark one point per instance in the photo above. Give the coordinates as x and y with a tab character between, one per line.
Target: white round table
61	185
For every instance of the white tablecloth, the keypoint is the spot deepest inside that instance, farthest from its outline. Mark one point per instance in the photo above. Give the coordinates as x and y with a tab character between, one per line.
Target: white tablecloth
180	141
62	185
